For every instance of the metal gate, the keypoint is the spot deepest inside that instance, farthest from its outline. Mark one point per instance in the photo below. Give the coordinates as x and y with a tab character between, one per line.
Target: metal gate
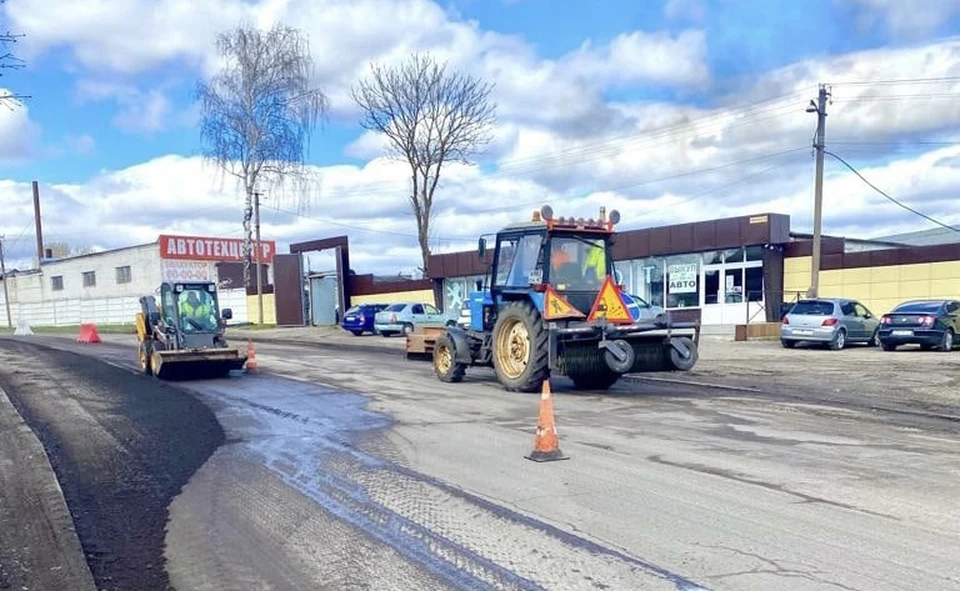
323	300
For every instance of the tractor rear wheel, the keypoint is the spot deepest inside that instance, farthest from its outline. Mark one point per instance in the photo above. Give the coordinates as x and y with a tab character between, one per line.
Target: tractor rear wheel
520	348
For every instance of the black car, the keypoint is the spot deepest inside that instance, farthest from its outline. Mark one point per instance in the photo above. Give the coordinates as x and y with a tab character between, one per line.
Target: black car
928	323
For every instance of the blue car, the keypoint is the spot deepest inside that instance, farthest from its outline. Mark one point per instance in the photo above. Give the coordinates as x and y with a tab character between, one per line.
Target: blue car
359	319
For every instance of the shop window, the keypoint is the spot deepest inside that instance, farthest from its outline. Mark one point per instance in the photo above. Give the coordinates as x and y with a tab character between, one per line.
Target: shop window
754	253
713	257
124	275
56	283
734	255
754	282
650	287
89	278
683	281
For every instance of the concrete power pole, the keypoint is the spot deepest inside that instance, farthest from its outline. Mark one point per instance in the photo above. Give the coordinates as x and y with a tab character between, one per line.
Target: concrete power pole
6	292
256	223
820	108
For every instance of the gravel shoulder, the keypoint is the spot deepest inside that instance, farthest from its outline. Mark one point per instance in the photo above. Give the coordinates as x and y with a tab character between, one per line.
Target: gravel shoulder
122	447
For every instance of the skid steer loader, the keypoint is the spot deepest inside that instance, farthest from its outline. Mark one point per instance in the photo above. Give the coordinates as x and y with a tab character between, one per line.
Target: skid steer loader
183	336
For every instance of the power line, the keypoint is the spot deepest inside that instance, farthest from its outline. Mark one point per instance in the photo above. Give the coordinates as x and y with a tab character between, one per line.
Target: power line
903	205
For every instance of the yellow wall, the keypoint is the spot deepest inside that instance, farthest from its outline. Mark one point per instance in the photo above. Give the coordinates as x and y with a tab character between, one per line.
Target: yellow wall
269	309
878	288
421	295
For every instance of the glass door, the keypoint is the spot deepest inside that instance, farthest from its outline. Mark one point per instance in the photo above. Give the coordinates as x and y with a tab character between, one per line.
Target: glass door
712	305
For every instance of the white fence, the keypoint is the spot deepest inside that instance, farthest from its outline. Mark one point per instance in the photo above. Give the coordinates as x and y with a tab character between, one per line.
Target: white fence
117	310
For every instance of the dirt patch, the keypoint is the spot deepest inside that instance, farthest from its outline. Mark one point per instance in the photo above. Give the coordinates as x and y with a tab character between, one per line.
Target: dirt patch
122	446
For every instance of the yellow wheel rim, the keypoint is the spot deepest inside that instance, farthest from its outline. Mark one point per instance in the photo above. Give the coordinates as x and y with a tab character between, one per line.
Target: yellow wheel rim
513	348
443	359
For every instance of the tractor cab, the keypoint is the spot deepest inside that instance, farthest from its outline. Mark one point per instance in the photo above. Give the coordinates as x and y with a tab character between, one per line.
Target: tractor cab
570	255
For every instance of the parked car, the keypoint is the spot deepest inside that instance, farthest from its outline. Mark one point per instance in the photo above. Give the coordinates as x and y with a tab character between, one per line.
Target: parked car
359	319
836	322
405	317
928	323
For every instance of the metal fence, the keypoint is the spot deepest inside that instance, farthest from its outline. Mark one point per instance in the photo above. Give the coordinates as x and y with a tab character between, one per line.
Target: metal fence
117	310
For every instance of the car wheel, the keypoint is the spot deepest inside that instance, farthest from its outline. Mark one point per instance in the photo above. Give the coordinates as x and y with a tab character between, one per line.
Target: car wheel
839	341
946	345
887	346
357	333
788	344
407	328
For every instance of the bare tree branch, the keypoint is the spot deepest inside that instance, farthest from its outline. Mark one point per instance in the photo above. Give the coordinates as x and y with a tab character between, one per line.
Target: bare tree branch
259	113
429	117
9	61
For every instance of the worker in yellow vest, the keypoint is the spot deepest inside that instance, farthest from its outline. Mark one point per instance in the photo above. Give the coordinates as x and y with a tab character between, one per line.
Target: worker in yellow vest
595	259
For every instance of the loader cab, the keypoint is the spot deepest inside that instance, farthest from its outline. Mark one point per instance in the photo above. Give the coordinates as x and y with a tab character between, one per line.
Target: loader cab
192	308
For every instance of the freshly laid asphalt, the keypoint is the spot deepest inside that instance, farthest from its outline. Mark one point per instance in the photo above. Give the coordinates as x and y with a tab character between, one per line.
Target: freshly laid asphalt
121	445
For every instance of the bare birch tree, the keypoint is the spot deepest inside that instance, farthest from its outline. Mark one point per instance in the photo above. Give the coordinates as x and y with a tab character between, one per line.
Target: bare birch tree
430	117
259	112
9	61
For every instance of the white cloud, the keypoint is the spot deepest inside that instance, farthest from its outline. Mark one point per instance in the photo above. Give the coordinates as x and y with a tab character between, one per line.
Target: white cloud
81	144
904	19
18	133
689	10
179	194
346	35
140	111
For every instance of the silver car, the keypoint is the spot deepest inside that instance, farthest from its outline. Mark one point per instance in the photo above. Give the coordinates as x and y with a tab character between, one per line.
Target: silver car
833	321
408	316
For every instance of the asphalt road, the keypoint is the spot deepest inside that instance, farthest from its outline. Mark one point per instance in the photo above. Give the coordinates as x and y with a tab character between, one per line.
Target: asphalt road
419	484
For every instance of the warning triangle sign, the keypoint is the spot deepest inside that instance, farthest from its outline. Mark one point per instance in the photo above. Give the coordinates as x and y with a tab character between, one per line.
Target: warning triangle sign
556	307
610	305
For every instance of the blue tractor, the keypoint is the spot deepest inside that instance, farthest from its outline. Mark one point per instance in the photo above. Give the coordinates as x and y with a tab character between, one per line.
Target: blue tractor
552	306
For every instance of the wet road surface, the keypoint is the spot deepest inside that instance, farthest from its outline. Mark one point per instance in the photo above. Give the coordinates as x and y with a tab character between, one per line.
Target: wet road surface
668	487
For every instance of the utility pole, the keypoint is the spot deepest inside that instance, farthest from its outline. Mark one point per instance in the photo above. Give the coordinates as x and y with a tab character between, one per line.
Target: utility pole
820	108
6	292
256	223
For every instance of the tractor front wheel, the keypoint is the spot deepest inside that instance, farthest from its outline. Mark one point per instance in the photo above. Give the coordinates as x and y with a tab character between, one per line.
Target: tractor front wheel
445	363
520	348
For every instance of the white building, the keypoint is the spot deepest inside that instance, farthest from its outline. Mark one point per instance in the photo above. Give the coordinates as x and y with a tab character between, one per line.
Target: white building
105	287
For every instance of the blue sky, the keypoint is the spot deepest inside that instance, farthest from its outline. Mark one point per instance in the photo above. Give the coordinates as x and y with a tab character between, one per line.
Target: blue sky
101	106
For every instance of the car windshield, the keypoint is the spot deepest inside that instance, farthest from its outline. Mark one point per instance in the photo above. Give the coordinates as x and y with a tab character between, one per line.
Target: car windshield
395	308
577	264
813	308
353	310
918	308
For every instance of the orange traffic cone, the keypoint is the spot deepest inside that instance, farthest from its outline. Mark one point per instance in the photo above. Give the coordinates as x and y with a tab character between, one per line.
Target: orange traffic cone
251	358
88	333
546	445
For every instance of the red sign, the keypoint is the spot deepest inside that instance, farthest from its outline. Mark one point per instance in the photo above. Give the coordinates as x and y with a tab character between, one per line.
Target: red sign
201	248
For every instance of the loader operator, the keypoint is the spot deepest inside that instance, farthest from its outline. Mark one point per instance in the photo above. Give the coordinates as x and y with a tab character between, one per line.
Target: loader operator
193	308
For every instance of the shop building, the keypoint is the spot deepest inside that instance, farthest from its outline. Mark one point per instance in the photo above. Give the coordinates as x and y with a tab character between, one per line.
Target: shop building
742	270
105	287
